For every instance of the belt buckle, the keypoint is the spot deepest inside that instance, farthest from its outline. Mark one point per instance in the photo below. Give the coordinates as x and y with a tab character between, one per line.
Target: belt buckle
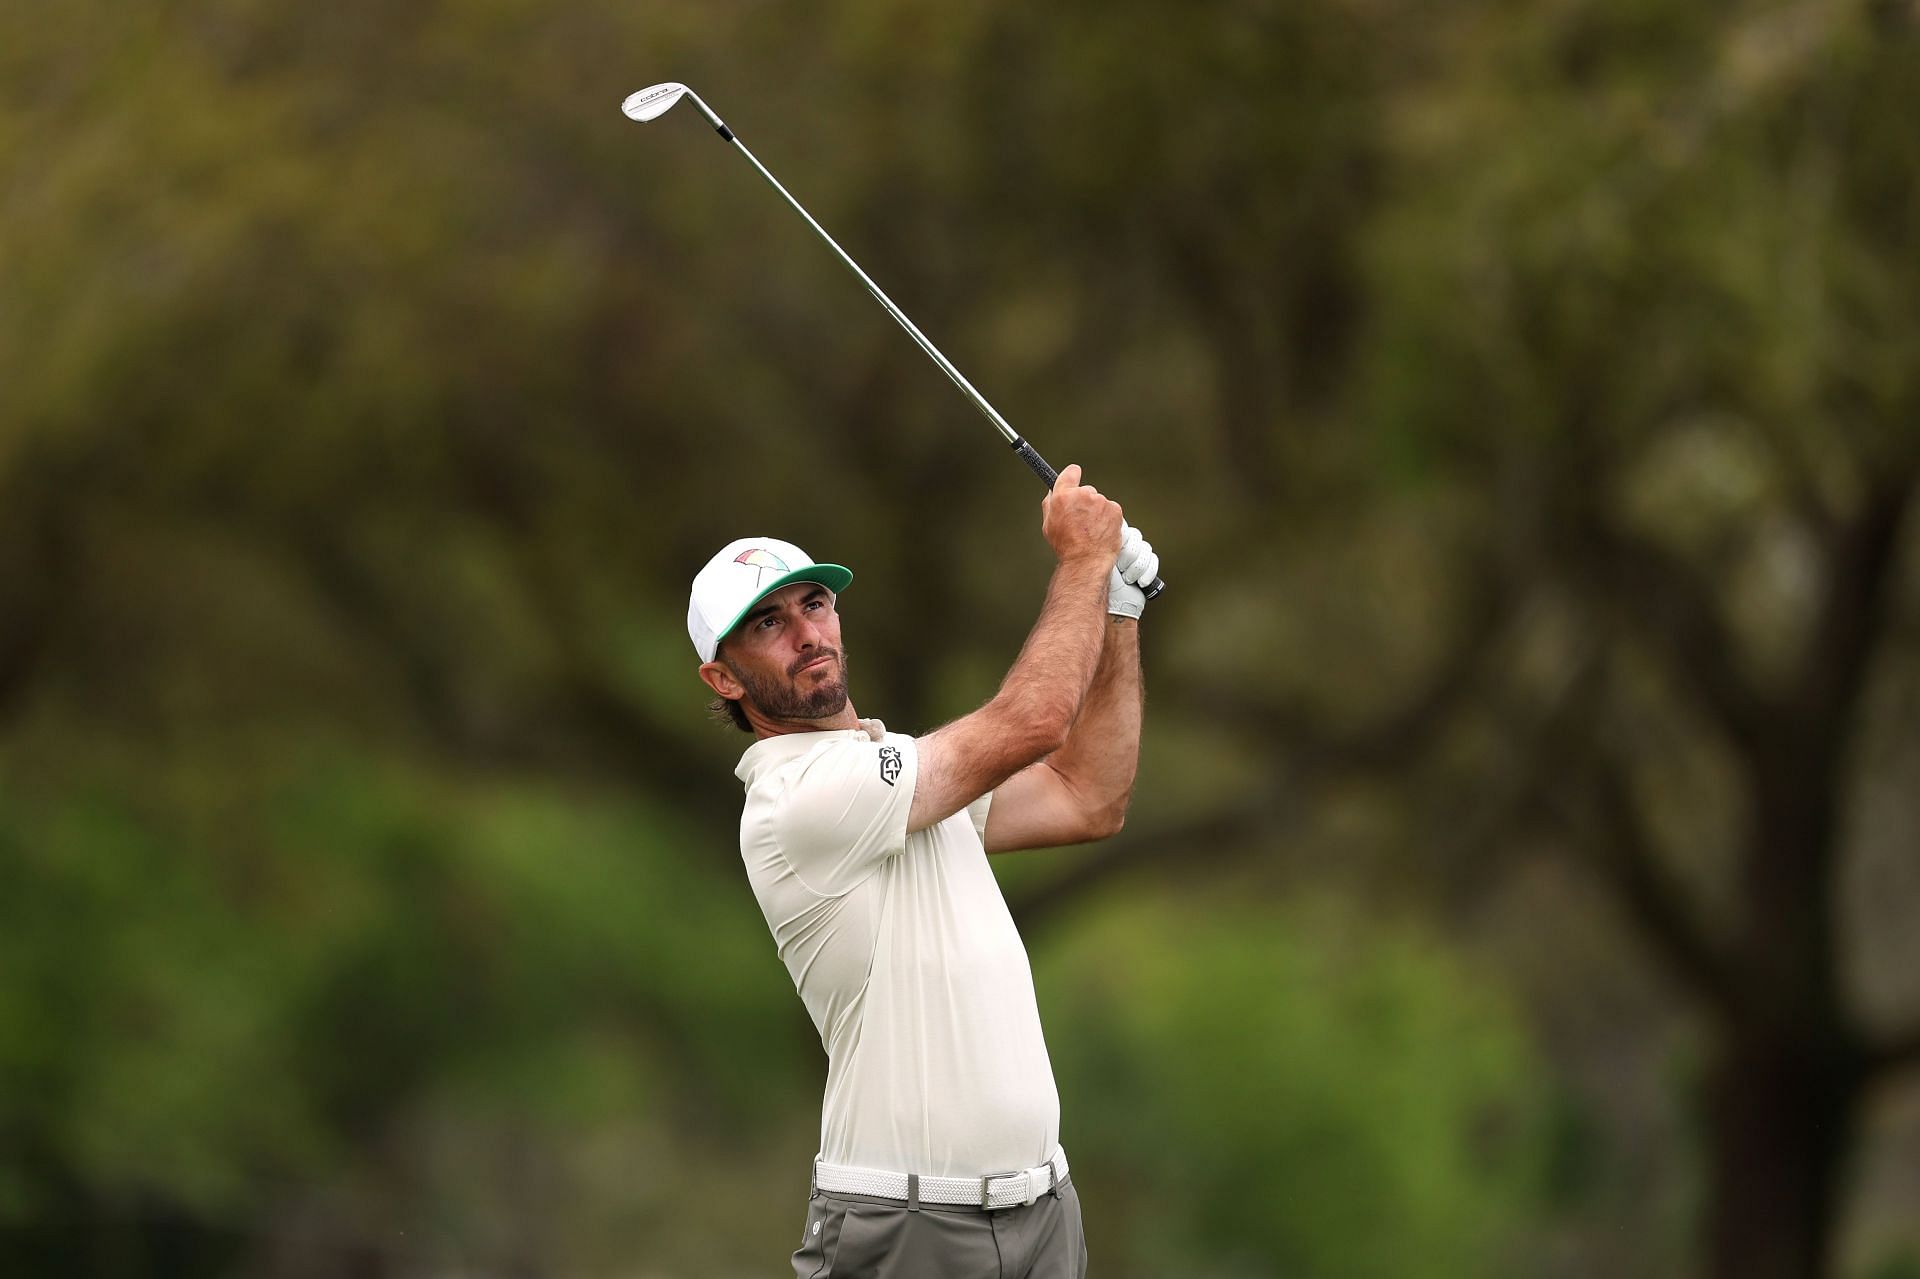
986	1194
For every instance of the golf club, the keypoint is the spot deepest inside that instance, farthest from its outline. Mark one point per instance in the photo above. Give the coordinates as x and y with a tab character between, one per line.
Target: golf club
655	101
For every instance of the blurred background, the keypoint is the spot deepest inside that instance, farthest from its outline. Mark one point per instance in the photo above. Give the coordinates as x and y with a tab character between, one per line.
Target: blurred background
1525	398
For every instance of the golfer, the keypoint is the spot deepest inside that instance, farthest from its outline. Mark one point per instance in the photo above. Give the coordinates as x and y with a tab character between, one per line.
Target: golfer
940	1131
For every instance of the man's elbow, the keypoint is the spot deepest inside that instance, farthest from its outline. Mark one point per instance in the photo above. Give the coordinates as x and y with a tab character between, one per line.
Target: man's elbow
1045	738
1039	728
1106	821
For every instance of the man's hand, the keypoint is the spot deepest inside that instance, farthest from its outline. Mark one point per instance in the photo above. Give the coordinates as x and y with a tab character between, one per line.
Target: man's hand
1133	568
1077	521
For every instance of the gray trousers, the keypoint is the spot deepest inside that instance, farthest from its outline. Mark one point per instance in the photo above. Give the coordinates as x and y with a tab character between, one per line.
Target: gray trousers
863	1237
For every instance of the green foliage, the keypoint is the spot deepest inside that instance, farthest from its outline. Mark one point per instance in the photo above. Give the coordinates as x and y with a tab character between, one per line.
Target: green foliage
226	980
1903	1265
1303	1091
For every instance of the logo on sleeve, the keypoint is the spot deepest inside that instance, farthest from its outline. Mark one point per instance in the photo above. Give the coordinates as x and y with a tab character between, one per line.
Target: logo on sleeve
890	764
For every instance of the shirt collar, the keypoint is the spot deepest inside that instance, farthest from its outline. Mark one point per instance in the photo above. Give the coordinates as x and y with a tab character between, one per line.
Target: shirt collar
769	752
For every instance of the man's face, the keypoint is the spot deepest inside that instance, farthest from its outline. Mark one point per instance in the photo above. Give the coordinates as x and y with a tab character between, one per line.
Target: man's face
786	653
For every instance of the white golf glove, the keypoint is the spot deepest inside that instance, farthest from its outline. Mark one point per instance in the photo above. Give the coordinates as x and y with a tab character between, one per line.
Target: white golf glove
1136	566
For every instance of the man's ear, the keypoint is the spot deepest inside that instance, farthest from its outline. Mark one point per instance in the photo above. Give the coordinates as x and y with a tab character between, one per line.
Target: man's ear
717	677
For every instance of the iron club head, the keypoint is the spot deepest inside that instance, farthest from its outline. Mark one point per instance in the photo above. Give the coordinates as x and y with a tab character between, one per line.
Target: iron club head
656	100
653	101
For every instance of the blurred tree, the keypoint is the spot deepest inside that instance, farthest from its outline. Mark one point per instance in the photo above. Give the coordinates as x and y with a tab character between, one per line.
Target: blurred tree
1660	333
1689	300
1659	341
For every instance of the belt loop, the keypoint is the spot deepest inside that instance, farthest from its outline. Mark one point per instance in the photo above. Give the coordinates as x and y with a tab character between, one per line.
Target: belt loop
913	1192
1053	1178
813	1191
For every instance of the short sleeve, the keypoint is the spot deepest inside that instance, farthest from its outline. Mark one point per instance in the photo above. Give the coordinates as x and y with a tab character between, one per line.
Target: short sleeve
977	814
843	809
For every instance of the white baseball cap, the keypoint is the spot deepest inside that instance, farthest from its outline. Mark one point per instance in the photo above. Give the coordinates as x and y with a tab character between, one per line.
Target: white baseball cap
740	575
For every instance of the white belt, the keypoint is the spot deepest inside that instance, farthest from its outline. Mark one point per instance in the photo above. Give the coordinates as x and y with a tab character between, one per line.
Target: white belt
995	1190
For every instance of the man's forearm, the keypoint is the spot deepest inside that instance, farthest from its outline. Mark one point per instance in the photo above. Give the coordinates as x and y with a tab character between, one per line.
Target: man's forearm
1049	681
1102	752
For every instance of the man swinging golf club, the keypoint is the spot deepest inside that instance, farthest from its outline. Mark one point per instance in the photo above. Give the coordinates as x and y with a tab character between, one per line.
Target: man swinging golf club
939	1133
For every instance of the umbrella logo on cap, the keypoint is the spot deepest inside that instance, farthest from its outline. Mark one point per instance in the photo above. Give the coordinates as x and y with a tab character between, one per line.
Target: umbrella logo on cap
761	561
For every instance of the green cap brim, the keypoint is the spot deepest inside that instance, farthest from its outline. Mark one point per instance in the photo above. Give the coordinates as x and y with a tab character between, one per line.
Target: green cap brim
831	576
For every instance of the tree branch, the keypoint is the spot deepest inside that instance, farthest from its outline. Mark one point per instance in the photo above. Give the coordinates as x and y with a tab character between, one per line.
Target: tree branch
1854	613
1401	735
602	726
1664	600
38	558
1607	823
1216	838
1900	1052
1208	840
1537	759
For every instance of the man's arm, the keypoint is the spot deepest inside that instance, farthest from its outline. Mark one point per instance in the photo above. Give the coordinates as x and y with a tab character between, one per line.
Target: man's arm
1080	792
1035	710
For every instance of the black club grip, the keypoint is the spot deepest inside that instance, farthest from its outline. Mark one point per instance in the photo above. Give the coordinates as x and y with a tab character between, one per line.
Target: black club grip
1031	456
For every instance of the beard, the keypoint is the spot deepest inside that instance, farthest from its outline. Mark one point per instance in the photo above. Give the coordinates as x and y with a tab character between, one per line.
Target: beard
782	699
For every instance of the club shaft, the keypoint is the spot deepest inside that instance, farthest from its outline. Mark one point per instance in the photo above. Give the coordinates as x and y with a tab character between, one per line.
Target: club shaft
879	295
1026	452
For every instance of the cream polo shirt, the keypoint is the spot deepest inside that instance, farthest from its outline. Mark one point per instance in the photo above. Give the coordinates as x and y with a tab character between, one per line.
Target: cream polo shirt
904	952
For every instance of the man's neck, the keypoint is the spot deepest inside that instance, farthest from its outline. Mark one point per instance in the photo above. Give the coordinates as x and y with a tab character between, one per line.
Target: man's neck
764	728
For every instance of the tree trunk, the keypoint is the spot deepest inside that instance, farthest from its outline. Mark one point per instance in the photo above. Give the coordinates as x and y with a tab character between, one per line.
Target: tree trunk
1781	1113
1788	1072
